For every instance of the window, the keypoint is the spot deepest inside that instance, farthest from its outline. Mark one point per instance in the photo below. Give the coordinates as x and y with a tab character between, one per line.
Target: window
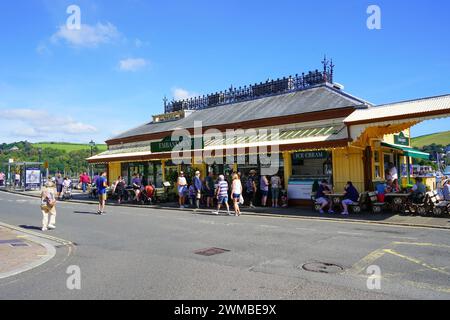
377	165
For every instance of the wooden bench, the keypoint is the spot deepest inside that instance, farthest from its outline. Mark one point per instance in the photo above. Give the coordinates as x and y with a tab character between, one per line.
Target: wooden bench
360	205
436	205
424	207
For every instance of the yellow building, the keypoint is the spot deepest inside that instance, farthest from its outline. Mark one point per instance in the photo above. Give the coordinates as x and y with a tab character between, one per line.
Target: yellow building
303	128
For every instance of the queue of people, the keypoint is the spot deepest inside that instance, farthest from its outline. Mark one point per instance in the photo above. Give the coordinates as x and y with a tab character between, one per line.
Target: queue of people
216	192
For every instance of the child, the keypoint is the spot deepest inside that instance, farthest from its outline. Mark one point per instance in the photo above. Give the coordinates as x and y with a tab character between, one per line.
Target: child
284	199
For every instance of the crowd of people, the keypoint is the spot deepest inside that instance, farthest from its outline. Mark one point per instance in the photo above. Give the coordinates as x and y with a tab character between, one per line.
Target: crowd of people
214	192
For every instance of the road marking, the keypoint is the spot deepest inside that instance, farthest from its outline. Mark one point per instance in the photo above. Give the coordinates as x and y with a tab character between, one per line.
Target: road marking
306	229
416	261
421	244
350	233
368	260
427	286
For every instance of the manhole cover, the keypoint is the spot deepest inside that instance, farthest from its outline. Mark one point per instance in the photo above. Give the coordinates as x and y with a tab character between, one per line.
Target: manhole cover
210	251
323	267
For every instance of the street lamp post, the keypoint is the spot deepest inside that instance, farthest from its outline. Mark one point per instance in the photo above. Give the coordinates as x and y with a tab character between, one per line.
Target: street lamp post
92	145
40	167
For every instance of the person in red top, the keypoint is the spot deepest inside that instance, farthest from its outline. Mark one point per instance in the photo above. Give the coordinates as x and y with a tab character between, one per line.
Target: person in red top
84	179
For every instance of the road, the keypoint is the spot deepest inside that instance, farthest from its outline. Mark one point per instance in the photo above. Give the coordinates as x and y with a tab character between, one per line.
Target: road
134	253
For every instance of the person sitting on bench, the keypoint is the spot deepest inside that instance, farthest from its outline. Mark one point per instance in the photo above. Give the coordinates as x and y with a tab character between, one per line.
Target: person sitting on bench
418	191
322	196
351	195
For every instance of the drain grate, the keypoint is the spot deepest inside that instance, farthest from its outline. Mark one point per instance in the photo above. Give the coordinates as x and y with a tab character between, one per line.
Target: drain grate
19	245
211	251
323	267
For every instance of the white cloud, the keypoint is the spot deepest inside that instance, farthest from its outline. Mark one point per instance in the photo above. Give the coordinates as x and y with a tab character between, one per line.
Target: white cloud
39	122
87	36
43	50
138	43
132	64
182	94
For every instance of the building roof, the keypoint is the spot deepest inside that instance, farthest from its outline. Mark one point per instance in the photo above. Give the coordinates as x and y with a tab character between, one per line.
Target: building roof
426	107
322	135
320	98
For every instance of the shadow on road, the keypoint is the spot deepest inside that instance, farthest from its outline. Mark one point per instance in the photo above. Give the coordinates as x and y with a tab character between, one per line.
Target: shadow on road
30	227
85	212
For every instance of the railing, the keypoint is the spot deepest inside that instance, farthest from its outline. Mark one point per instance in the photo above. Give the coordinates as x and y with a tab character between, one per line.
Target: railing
269	88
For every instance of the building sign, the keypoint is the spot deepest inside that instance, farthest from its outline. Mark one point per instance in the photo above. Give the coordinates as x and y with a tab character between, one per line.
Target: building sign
401	139
310	155
168	145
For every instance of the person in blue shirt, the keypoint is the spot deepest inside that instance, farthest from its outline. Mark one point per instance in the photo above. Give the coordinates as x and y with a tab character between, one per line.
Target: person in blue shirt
102	185
351	195
198	184
446	190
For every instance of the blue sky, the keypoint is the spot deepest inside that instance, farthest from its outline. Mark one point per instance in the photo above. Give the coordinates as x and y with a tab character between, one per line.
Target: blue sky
113	75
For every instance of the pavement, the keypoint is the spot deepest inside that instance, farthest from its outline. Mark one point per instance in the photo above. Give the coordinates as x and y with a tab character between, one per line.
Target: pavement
385	218
21	251
153	253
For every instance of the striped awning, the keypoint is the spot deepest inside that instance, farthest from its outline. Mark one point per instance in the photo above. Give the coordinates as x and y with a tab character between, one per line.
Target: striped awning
292	136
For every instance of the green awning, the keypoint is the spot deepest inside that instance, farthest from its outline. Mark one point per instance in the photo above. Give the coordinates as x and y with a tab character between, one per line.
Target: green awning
408	151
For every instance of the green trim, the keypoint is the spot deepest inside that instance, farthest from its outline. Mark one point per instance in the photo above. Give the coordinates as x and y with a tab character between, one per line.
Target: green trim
408	151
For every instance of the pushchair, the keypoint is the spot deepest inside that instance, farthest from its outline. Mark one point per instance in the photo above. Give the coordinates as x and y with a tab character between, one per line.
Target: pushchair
66	193
92	189
147	195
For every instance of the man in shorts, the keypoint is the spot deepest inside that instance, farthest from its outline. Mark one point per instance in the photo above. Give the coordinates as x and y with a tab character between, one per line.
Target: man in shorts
102	185
322	196
222	195
351	196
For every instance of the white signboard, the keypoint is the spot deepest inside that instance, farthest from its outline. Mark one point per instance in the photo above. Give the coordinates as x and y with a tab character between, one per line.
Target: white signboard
33	177
300	190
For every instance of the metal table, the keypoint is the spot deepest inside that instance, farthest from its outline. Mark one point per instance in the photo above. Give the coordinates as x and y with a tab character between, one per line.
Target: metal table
399	201
336	198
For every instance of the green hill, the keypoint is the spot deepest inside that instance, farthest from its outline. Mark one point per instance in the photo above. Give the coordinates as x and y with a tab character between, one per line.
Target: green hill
68	147
441	138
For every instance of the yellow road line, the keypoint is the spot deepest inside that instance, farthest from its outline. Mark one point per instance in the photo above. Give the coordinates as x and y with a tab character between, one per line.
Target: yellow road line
416	261
427	286
420	244
368	260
